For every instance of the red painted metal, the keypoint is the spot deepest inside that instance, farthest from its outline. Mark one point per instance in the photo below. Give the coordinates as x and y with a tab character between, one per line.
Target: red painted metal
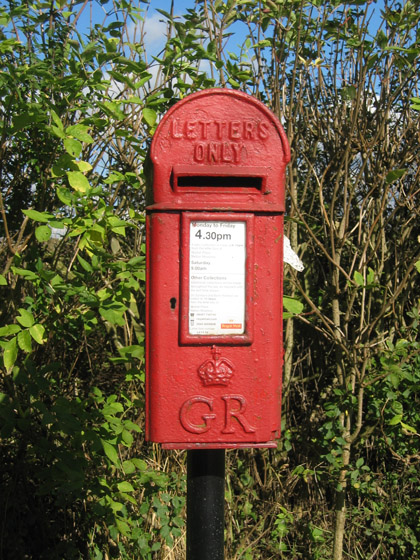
215	233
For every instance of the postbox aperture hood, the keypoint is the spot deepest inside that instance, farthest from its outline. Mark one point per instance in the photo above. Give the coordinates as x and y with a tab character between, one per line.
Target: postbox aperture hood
223	148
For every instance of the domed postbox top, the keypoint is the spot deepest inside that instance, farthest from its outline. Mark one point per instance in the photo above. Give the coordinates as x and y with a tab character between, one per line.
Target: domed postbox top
219	149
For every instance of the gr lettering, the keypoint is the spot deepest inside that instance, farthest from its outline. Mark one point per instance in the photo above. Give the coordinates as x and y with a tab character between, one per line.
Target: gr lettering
198	416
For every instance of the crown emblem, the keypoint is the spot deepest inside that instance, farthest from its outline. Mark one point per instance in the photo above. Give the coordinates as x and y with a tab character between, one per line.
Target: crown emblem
216	371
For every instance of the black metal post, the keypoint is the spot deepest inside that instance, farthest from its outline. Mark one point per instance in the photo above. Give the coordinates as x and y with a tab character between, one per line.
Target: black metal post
205	504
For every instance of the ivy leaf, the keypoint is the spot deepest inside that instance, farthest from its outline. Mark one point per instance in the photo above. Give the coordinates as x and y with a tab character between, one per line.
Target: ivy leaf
3	281
114	316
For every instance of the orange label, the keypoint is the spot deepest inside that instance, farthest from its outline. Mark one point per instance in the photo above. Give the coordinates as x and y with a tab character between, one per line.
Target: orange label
231	326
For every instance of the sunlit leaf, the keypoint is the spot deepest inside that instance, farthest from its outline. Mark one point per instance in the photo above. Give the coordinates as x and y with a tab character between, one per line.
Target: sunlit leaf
395	420
125	486
25	341
358	278
9	329
26	319
292	305
73	147
43	233
149	116
38	216
37	332
80	132
10	353
78	181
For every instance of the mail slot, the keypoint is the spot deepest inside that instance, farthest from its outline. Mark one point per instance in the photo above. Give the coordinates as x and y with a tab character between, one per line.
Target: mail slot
214	349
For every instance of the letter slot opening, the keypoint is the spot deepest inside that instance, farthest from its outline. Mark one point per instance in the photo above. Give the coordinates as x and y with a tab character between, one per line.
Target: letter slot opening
215	180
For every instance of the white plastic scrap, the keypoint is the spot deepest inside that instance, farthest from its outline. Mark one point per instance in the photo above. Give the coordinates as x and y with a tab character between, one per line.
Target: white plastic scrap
290	257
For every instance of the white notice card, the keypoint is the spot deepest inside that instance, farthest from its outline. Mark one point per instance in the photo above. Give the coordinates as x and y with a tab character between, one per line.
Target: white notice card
217	278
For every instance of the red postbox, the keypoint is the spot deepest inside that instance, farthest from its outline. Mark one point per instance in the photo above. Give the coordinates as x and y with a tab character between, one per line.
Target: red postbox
214	349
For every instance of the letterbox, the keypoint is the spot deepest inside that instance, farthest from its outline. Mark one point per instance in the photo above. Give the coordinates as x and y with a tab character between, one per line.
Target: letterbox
214	348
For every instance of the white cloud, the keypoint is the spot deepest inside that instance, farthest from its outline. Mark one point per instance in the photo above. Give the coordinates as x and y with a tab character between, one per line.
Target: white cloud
155	30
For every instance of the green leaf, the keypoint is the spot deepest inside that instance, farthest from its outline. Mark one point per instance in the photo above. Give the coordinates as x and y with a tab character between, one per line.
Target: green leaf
416	103
139	464
395	379
114	316
83	166
25	341
408	428
125	487
37	332
110	451
128	467
114	177
395	420
112	109
394	175
56	119
78	181
59	132
43	233
26	319
73	147
10	354
292	305
65	196
3	280
349	92
80	132
417	265
84	264
123	527
358	278
28	274
9	329
149	116
127	438
38	216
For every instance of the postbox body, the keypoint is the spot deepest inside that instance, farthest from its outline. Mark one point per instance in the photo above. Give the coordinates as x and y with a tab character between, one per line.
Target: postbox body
214	347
